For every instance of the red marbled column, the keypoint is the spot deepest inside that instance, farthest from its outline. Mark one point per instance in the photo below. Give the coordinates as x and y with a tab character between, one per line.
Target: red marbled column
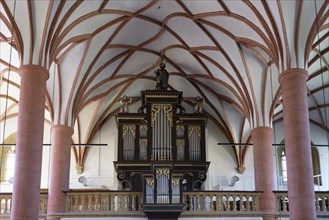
264	171
59	168
297	144
29	143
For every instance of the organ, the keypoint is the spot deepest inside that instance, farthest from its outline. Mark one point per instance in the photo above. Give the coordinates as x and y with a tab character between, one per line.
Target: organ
161	151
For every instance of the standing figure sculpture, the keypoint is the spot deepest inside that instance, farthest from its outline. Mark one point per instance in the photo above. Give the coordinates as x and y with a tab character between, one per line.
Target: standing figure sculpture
198	104
125	101
162	77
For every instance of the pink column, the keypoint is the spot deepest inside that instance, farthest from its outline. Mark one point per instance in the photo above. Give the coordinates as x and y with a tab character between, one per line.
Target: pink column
264	172
26	189
59	168
297	144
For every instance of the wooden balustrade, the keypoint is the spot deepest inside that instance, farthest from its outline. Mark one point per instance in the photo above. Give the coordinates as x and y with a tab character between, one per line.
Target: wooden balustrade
321	203
106	201
199	204
221	202
5	204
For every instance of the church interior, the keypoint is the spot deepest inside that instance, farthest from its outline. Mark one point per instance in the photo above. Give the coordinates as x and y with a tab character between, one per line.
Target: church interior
164	109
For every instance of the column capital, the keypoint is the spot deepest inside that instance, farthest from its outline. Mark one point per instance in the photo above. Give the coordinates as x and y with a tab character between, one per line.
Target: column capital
292	73
265	129
65	128
30	68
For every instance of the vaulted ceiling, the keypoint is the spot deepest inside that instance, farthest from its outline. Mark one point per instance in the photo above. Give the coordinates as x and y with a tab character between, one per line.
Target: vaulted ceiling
228	52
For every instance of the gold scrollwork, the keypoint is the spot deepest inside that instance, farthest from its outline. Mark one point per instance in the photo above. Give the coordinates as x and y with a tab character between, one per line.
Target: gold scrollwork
132	129
167	109
196	129
150	182
180	127
180	142
143	127
174	181
142	141
164	172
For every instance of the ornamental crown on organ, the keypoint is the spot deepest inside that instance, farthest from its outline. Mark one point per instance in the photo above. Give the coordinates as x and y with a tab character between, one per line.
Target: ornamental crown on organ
161	147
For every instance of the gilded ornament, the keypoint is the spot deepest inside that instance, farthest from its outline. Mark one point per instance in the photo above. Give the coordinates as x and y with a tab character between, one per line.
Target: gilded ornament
125	129
167	109
174	181
150	182
164	172
194	129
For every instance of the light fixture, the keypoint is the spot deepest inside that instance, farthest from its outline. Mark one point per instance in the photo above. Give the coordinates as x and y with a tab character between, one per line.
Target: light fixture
83	180
234	180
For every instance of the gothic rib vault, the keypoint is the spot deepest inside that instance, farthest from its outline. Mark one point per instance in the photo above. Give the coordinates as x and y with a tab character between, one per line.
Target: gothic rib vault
228	52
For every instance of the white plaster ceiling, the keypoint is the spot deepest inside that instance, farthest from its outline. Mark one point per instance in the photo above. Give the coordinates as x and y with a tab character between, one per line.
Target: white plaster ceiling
228	52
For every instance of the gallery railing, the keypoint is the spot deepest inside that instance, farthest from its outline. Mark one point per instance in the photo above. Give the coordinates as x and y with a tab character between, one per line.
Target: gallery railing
198	204
106	201
242	203
321	203
6	200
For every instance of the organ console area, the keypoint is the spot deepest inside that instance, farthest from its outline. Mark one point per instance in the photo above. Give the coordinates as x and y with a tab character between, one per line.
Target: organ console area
161	152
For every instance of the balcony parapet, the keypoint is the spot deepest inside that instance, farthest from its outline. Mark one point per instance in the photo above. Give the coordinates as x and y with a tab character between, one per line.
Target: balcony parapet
6	202
321	203
104	203
223	203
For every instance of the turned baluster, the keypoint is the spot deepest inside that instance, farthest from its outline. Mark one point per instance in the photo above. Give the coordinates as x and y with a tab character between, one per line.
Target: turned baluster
248	203
76	203
226	203
284	205
219	203
235	201
105	204
198	205
83	202
323	205
211	202
6	206
89	205
242	203
113	203
119	202
126	201
97	203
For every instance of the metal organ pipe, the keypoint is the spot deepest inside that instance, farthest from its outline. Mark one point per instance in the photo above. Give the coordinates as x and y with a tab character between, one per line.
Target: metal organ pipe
161	143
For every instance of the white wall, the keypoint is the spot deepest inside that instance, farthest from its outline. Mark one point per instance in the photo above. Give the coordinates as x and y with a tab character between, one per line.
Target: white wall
99	168
223	166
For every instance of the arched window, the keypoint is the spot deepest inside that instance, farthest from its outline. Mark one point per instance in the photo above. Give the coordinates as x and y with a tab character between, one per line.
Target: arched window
284	169
10	164
282	166
8	155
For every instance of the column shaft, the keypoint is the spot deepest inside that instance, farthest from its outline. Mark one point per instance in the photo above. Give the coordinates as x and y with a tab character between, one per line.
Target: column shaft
297	144
29	143
59	168
264	171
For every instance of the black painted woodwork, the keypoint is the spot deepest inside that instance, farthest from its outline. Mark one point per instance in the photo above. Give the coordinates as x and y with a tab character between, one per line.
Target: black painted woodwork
132	174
